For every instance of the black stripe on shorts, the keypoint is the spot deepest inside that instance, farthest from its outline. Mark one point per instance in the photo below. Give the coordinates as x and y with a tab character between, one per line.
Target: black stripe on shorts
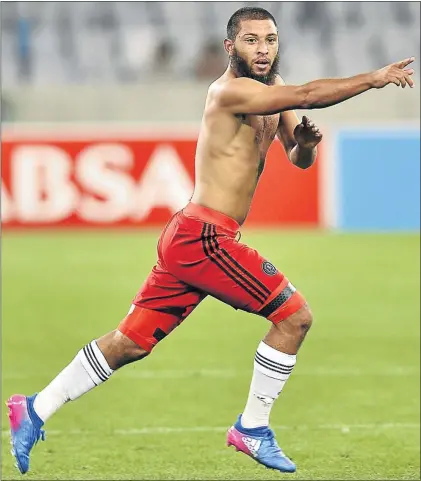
215	256
263	289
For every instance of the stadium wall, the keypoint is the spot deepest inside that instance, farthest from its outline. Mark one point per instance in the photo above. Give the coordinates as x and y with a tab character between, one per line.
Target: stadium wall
183	102
131	176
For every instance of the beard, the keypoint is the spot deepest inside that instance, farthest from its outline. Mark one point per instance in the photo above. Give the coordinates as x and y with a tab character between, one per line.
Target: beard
242	69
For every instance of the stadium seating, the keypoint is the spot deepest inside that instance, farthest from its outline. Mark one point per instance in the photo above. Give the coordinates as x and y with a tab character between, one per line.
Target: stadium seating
112	42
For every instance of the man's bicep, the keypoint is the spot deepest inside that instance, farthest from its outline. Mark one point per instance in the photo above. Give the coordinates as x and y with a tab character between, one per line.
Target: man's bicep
246	96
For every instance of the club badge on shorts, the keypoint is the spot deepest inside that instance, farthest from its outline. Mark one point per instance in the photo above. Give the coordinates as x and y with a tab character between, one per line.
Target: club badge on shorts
268	268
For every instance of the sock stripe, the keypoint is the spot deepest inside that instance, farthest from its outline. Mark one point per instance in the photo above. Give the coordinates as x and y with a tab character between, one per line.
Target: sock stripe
273	363
95	360
272	368
101	368
93	363
85	352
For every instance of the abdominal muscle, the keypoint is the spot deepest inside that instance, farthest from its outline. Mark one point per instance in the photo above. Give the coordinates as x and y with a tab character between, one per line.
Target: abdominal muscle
226	178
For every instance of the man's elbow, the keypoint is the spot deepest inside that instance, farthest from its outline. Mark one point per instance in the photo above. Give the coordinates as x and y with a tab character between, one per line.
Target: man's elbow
302	165
305	166
309	98
304	97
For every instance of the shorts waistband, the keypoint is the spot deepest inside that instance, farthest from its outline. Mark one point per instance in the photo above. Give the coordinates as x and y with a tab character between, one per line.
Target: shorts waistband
207	214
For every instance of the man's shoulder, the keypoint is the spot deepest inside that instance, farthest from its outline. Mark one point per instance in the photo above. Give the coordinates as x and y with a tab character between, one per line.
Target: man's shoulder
223	83
220	84
217	90
225	89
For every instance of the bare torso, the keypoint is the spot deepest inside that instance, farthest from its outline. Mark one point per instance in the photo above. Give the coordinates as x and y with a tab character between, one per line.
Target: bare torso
230	157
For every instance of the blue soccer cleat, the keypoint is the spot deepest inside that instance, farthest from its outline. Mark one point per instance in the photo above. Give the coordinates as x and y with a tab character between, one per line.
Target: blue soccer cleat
260	444
25	428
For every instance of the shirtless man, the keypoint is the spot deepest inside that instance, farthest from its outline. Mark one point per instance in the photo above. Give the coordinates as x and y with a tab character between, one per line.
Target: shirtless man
198	253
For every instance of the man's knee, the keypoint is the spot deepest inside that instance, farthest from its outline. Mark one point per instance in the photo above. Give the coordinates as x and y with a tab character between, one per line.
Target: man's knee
303	319
119	350
128	346
300	321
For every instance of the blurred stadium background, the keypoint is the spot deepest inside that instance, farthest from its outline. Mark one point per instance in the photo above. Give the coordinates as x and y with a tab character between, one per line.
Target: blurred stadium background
101	104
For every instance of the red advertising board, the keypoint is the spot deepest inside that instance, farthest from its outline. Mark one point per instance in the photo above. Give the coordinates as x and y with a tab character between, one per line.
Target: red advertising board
116	180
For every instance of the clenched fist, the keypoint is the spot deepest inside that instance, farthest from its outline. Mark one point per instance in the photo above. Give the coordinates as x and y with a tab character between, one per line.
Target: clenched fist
395	73
306	134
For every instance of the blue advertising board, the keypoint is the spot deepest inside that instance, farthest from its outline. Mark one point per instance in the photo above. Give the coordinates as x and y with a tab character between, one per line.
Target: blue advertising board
378	180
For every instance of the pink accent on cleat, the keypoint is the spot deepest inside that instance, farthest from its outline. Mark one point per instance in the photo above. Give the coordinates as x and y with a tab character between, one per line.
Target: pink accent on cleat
17	410
235	438
25	429
260	445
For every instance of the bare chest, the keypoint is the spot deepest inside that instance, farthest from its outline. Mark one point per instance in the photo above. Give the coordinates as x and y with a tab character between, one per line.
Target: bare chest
265	127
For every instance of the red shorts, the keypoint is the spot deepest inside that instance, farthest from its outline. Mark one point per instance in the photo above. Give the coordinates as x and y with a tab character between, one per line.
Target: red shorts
199	255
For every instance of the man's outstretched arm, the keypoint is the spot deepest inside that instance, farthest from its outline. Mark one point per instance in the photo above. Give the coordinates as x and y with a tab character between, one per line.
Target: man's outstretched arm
247	96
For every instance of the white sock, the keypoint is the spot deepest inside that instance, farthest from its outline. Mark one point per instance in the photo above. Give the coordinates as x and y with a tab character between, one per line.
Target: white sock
88	369
271	371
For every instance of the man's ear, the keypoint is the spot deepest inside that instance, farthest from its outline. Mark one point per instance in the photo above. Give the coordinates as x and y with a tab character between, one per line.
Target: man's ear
228	45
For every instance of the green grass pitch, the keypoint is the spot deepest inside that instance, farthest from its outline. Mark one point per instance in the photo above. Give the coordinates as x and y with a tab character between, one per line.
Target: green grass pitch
351	409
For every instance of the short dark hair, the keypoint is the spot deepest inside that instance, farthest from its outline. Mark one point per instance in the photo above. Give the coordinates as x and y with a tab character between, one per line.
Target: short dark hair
246	13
